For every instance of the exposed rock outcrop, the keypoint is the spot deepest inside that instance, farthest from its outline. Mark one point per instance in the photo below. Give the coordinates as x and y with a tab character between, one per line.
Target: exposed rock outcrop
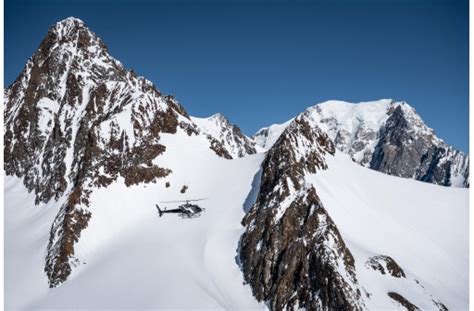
386	265
402	301
407	148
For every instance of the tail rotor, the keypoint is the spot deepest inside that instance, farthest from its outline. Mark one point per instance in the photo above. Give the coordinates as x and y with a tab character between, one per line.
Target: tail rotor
160	212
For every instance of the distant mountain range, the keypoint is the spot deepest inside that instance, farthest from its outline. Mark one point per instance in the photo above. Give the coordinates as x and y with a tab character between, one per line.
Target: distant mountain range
303	214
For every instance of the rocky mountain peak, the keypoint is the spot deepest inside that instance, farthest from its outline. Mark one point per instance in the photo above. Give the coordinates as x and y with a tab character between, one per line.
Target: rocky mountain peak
73	36
412	118
75	31
75	120
71	20
227	140
220	120
68	28
220	117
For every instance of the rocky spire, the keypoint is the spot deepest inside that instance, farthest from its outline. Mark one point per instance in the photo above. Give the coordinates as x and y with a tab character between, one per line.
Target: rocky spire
292	253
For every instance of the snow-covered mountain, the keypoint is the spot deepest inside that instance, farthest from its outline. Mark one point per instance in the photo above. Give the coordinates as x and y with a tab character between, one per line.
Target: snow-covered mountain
76	120
387	136
290	220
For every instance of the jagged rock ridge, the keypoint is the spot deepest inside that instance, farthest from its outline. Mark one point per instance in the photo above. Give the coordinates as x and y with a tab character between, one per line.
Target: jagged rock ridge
222	133
292	252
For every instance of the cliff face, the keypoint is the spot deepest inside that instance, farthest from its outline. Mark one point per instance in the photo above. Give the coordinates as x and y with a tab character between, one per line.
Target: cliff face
406	148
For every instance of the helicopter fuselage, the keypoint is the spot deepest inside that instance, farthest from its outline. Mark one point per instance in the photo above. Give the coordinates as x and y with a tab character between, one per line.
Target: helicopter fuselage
186	210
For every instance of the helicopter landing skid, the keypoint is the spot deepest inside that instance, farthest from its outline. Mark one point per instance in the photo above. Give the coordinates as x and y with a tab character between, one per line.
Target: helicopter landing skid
189	216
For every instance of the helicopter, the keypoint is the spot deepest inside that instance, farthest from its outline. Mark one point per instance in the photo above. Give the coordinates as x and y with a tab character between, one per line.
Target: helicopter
185	211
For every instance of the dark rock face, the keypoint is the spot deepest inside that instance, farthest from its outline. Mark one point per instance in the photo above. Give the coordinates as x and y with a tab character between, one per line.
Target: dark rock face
292	253
386	265
218	148
66	231
75	119
403	152
248	146
403	301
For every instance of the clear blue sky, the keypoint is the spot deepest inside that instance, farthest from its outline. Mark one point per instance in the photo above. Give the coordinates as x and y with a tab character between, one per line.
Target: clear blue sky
262	62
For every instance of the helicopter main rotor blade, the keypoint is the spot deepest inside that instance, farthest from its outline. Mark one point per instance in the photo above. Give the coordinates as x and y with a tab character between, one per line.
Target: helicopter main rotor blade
172	201
197	200
181	201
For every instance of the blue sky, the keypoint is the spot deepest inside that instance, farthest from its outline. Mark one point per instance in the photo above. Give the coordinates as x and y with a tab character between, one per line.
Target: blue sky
262	62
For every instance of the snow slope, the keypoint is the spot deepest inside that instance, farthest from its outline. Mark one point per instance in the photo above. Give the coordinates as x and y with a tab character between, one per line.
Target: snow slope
26	238
131	258
266	137
423	227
